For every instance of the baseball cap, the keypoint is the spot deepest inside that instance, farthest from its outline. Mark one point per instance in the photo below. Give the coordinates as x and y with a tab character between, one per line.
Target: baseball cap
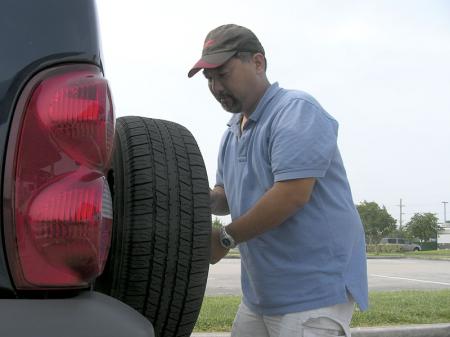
222	43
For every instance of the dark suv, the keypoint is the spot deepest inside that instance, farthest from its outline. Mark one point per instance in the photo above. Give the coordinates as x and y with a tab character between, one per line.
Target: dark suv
105	224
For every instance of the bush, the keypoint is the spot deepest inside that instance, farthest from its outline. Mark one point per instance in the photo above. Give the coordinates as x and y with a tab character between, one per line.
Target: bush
383	248
428	245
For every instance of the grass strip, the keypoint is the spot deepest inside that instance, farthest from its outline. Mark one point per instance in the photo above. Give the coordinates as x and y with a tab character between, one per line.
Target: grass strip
405	307
386	308
441	254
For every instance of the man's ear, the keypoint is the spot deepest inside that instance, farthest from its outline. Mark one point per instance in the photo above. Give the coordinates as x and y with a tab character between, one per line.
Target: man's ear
260	62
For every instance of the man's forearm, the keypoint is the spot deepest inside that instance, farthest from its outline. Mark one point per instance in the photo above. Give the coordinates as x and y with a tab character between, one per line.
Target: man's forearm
275	206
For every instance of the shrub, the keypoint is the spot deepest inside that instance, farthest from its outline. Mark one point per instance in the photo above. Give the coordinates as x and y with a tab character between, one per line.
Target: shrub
383	248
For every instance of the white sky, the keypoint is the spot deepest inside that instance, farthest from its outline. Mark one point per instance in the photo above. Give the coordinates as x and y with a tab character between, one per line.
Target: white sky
381	68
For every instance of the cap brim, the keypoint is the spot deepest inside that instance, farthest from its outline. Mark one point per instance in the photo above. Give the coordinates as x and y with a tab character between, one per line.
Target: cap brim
211	61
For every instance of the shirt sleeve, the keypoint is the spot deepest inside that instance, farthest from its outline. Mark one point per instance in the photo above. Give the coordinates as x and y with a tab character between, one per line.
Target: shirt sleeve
303	141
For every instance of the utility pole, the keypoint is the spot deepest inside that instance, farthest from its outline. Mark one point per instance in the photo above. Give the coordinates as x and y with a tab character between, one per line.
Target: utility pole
401	214
445	212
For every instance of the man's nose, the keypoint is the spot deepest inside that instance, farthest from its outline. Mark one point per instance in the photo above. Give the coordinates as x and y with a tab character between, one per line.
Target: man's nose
216	86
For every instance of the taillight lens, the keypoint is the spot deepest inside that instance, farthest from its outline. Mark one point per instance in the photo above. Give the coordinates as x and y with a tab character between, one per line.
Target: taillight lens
62	209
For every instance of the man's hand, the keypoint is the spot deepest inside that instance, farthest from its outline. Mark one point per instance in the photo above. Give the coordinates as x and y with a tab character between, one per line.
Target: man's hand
218	201
217	250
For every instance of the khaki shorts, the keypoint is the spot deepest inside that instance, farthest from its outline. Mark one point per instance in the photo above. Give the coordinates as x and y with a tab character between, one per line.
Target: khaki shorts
323	322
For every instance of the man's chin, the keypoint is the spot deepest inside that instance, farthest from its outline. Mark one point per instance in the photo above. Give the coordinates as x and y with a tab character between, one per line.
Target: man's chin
233	110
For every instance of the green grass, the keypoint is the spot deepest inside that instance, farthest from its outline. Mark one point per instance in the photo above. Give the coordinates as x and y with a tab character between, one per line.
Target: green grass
440	252
386	308
405	307
217	313
233	253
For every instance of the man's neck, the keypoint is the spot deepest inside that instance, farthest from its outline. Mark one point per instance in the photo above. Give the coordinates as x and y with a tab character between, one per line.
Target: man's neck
259	93
244	120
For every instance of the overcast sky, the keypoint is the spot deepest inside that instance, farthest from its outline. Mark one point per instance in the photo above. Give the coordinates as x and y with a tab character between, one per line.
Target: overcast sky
381	68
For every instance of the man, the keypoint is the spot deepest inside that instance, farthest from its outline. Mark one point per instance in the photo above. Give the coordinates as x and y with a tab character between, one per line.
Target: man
281	176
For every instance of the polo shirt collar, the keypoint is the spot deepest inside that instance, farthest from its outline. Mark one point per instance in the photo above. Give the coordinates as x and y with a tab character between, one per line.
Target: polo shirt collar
268	95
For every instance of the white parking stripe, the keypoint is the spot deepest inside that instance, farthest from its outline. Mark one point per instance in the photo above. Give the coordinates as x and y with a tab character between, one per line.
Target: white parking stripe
410	279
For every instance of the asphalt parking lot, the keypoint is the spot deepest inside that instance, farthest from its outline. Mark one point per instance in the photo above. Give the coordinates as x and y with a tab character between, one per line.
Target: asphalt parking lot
384	275
408	274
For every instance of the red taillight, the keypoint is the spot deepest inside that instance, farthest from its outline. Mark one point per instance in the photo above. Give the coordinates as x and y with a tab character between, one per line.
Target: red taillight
61	224
77	113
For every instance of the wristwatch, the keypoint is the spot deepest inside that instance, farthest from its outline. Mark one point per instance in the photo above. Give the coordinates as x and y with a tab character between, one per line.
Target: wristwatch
226	240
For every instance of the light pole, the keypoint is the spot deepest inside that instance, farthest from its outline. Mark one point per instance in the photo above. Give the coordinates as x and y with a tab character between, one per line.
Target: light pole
445	212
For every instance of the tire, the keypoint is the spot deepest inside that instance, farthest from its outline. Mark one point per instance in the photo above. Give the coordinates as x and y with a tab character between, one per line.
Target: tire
160	248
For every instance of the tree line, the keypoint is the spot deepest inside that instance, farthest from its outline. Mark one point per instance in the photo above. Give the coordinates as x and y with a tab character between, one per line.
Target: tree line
378	223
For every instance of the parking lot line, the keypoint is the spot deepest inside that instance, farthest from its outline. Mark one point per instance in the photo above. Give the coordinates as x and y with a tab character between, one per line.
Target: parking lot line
410	279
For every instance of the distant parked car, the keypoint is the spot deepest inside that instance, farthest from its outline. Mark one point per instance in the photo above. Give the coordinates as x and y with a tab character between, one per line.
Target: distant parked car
403	243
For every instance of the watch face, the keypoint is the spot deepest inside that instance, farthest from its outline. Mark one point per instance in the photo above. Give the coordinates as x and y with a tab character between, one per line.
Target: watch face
226	242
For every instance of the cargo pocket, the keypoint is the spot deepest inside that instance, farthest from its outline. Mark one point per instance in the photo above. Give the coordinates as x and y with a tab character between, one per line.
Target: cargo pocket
324	327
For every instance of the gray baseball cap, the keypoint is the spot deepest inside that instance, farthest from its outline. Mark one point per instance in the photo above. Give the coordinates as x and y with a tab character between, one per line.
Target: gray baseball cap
222	43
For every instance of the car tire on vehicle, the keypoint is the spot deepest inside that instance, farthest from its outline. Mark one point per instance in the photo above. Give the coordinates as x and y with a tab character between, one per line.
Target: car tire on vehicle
160	248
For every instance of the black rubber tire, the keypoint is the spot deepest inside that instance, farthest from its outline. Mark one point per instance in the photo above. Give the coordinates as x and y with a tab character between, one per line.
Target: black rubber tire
160	248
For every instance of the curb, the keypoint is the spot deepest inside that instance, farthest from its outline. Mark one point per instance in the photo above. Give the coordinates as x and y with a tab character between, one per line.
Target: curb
419	330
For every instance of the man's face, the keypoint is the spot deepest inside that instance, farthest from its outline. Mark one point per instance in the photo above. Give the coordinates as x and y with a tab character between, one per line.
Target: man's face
231	84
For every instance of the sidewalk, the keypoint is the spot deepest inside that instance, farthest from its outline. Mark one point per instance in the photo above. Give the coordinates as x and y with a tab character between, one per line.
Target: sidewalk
421	330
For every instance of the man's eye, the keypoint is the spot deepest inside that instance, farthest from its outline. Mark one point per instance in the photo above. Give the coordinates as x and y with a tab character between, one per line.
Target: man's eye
207	75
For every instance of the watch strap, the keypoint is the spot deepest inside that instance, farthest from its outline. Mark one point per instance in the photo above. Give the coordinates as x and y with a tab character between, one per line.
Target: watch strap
226	240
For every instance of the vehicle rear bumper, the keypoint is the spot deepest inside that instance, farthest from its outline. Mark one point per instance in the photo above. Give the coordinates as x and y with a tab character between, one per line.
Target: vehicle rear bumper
90	314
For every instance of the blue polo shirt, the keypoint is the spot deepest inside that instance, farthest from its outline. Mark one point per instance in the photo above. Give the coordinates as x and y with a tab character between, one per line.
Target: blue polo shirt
316	257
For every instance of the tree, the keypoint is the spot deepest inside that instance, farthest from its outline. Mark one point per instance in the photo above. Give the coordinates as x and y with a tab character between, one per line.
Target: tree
378	223
423	226
216	223
400	232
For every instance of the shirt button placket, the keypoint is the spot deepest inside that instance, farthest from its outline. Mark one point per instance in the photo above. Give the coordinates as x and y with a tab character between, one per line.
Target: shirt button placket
243	146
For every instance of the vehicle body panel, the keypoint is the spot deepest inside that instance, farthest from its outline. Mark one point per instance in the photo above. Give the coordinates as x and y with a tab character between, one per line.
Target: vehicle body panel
35	36
89	314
